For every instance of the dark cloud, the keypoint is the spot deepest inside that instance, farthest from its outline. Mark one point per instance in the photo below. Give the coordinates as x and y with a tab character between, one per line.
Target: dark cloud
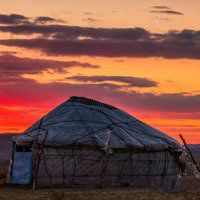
108	42
177	102
12	67
13	19
66	32
46	19
171	46
35	94
92	20
16	19
165	10
160	7
169	12
13	80
129	81
185	36
28	92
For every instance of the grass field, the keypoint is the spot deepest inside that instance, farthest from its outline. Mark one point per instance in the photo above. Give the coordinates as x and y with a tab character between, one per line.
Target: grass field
190	191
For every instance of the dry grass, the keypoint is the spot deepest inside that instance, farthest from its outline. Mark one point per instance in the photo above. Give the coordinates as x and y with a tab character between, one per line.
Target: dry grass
25	193
57	195
190	191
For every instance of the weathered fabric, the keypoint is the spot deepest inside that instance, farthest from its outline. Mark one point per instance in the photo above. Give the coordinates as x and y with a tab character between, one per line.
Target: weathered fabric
21	172
87	122
90	168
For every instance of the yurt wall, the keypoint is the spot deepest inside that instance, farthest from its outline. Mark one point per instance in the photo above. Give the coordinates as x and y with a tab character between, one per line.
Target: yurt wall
86	167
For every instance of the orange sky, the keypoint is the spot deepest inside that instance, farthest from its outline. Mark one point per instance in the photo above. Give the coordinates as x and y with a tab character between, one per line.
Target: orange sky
177	78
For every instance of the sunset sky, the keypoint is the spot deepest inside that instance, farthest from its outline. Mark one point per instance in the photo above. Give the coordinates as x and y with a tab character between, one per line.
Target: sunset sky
142	56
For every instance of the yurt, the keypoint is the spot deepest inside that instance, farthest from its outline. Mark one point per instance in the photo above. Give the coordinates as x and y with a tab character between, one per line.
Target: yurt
83	142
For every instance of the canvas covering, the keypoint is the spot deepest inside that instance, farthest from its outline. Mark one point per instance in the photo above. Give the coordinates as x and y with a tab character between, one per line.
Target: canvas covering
76	122
90	168
83	142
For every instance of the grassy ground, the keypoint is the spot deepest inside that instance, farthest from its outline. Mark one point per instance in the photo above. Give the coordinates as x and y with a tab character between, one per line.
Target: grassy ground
190	191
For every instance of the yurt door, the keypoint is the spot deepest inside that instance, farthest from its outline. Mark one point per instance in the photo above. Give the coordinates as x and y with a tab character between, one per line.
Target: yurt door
21	170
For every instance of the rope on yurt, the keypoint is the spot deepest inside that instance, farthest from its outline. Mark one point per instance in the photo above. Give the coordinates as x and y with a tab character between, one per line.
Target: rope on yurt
75	144
107	156
37	160
43	156
145	132
75	155
74	168
45	167
149	170
100	157
122	169
82	120
36	166
131	160
104	170
140	131
110	118
165	168
161	138
37	128
76	110
174	176
69	121
93	132
41	151
116	123
63	165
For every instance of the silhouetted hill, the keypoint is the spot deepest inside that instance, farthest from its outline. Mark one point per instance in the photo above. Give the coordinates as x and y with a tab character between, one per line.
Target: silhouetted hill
195	148
5	145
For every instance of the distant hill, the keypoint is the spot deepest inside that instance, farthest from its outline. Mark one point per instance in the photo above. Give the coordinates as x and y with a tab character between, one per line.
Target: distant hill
5	145
195	148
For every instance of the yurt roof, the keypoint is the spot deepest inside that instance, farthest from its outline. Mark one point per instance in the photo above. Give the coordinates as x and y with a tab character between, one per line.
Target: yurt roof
83	121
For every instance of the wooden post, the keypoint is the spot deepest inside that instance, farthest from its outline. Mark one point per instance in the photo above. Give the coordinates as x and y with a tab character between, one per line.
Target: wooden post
192	161
190	153
9	174
36	164
108	151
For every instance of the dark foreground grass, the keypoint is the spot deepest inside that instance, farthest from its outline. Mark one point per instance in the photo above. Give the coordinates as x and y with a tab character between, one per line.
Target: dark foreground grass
23	193
190	191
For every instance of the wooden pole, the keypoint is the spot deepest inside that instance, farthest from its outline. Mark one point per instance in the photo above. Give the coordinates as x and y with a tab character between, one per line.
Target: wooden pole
190	153
36	165
108	151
